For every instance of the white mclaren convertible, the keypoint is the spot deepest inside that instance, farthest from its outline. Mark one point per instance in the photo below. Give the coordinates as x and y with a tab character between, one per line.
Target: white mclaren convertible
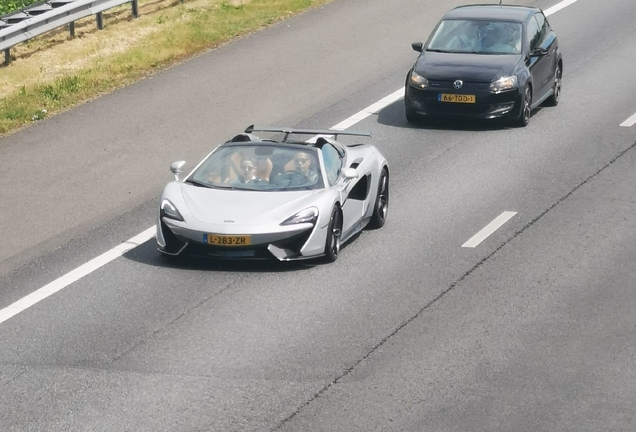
254	198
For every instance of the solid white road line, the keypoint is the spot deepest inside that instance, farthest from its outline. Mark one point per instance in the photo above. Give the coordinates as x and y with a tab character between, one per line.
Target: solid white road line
557	7
74	275
368	111
629	122
118	251
489	229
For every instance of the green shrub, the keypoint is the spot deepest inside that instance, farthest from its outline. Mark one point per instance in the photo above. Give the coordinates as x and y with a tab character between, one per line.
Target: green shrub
7	6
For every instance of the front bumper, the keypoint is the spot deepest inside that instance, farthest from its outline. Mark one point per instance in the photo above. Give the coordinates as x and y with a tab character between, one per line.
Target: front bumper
283	244
488	105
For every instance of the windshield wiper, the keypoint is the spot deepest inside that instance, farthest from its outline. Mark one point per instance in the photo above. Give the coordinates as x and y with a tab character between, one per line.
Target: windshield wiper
438	50
197	183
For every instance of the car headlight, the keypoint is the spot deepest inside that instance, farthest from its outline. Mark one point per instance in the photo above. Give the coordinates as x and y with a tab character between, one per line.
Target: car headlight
418	81
503	84
308	215
170	211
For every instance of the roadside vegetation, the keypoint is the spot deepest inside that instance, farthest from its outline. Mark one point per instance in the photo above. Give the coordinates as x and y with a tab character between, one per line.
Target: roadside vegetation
7	6
52	72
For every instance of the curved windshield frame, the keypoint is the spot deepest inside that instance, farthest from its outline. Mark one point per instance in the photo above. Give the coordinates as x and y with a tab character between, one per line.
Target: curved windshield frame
262	166
477	37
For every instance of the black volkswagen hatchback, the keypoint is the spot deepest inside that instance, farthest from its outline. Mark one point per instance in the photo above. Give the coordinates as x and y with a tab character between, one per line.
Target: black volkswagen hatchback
485	62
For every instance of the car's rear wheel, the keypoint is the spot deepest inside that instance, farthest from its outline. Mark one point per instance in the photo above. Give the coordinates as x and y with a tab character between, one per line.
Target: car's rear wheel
526	108
381	208
556	94
334	231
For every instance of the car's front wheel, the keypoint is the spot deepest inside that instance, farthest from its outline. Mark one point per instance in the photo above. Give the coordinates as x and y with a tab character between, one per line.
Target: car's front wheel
334	231
381	208
556	90
526	108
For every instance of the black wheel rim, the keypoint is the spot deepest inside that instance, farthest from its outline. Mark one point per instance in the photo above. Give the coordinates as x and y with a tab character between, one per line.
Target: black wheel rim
335	234
557	84
527	102
383	198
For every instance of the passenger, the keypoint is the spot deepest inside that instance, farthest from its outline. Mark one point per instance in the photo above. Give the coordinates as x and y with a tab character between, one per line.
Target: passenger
247	172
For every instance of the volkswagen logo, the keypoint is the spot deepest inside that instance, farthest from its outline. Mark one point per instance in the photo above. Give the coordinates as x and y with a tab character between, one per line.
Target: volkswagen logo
458	84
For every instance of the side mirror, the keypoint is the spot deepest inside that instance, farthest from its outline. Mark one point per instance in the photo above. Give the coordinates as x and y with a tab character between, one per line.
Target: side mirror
417	46
349	173
539	52
177	168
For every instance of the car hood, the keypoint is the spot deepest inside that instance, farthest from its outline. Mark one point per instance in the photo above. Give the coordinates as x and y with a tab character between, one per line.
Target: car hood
483	68
217	206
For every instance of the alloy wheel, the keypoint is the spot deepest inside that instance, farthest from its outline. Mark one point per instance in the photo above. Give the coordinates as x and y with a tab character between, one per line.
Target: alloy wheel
557	83
523	119
383	198
527	103
335	234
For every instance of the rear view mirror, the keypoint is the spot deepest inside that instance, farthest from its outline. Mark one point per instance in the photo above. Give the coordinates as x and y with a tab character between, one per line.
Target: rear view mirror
417	46
349	173
177	168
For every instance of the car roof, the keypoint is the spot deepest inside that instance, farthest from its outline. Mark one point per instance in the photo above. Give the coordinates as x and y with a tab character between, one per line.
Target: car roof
492	11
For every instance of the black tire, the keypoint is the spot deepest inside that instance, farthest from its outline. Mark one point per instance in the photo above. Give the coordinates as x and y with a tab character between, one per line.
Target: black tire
556	95
526	108
378	219
334	231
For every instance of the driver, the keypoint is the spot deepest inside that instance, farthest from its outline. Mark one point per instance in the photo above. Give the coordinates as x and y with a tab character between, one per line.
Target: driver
303	172
302	161
497	39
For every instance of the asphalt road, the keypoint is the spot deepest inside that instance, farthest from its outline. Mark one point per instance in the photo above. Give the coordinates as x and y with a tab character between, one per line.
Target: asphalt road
533	329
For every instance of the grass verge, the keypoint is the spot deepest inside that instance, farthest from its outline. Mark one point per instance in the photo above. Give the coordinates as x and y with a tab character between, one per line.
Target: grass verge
52	73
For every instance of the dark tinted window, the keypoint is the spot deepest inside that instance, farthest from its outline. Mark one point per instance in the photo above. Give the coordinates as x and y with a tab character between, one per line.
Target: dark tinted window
544	29
477	36
533	33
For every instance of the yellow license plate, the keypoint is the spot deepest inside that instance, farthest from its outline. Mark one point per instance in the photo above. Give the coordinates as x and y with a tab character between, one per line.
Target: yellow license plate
456	98
221	240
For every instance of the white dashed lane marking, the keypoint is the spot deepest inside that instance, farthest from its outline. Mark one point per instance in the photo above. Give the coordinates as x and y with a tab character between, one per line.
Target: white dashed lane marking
629	122
493	226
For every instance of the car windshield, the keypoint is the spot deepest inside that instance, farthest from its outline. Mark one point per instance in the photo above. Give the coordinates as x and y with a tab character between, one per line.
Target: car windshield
477	37
262	167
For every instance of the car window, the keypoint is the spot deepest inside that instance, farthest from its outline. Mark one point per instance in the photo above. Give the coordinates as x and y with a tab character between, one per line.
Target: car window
533	33
543	27
263	167
477	37
333	163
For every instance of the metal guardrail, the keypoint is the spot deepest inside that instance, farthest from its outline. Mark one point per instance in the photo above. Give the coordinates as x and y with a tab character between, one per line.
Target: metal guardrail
39	18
